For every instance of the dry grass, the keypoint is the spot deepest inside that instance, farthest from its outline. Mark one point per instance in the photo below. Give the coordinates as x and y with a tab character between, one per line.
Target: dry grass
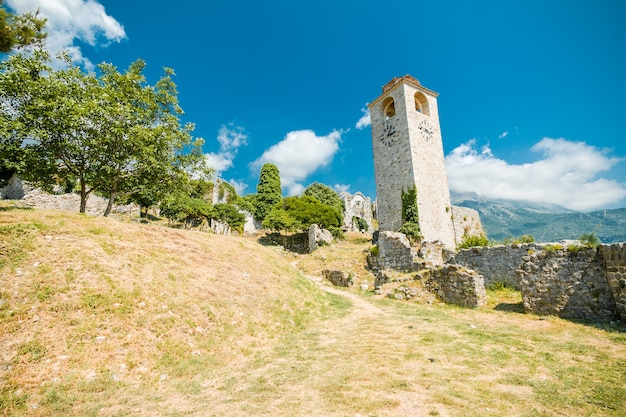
109	318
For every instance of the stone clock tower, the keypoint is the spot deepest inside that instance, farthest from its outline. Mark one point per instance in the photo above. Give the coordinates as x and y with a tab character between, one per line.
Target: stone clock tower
408	152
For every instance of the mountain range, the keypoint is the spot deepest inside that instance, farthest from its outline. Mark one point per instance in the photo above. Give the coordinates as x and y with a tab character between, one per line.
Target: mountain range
502	219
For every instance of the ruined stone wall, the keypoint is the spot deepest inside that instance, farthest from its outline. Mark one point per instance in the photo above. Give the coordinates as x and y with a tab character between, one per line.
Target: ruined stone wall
614	257
457	285
356	205
96	205
14	189
496	263
569	284
575	284
395	252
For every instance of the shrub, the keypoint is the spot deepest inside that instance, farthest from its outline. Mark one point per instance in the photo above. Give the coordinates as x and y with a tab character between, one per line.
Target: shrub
374	250
590	240
552	248
470	241
517	241
412	231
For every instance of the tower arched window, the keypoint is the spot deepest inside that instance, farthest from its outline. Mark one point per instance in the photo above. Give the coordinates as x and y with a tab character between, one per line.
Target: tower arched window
389	108
421	103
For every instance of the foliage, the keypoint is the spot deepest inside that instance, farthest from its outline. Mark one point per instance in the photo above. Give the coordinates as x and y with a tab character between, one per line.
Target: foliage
280	221
246	203
410	215
326	195
112	133
517	241
19	30
188	210
590	240
229	214
308	210
412	231
360	223
574	248
470	241
268	189
20	84
552	248
374	250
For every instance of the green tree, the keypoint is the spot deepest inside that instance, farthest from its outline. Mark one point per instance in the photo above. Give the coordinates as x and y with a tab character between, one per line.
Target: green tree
20	86
279	220
62	124
141	132
268	190
228	213
19	30
326	195
308	210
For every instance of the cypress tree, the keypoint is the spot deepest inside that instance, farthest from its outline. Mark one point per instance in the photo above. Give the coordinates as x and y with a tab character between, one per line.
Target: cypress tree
268	190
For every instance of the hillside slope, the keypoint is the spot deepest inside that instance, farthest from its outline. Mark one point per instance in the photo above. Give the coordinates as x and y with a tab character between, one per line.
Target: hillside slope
105	317
92	307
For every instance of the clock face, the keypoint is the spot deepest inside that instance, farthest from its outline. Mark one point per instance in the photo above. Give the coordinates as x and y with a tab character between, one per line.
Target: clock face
388	136
426	129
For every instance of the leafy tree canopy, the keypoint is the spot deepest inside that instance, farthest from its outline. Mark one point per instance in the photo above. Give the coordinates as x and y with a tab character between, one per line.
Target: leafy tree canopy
308	210
326	195
19	30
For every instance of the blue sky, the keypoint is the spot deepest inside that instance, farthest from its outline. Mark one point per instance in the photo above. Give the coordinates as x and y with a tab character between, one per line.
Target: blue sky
532	93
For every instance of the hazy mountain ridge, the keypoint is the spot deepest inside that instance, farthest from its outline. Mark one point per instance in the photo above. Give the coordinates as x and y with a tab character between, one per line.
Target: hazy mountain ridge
546	222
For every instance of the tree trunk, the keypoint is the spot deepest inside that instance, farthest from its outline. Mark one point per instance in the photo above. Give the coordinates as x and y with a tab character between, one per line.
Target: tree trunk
83	196
110	204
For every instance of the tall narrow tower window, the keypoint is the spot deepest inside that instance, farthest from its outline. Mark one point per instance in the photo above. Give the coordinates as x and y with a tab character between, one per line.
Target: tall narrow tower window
421	103
389	108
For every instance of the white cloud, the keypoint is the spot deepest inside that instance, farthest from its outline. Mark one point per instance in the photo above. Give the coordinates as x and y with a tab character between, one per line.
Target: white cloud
365	120
341	187
239	186
220	162
70	20
503	135
566	175
230	138
298	155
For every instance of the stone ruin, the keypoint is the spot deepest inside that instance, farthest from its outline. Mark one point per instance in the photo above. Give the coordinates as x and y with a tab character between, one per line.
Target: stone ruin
356	206
573	282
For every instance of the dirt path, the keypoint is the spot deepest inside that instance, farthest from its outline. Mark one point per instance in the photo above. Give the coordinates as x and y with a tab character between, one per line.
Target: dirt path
319	372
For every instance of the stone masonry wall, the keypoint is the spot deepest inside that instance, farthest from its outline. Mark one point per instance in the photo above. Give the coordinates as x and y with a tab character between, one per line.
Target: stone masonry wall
569	284
614	257
395	252
466	223
457	285
583	283
496	263
96	205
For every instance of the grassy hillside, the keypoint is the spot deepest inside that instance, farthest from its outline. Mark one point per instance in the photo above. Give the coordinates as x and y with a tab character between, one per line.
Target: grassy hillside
102	317
99	316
